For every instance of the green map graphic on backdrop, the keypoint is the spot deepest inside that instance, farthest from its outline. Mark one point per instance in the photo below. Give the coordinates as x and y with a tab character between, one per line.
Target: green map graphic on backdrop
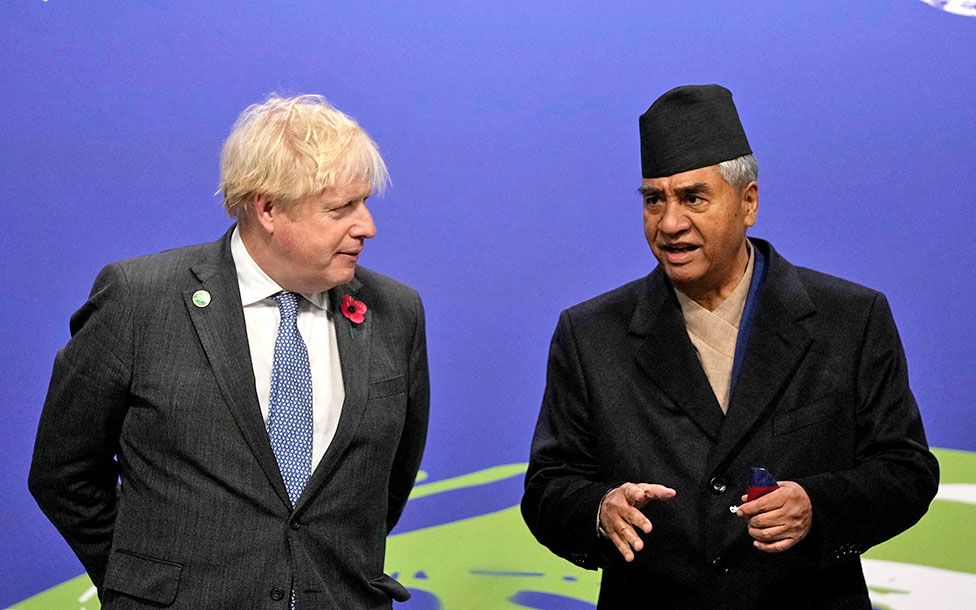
491	562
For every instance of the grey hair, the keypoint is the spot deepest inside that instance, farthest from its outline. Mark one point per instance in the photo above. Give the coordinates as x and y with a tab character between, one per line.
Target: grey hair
739	172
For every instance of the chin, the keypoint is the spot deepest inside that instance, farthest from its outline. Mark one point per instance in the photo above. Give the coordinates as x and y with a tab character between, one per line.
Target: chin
342	278
683	280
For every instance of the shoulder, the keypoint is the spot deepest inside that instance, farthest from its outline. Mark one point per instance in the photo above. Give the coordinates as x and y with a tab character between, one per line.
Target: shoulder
608	312
794	282
826	287
379	283
620	298
164	268
840	304
381	291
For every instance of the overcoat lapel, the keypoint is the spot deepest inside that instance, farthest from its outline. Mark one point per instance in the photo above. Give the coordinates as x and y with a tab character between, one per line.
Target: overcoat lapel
353	342
774	350
668	357
223	335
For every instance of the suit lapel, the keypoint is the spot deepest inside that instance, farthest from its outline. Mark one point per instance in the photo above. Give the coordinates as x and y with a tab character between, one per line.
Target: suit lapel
223	335
774	351
667	356
353	342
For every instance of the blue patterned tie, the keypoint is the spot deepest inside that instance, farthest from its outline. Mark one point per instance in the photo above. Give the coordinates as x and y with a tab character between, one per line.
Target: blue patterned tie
290	410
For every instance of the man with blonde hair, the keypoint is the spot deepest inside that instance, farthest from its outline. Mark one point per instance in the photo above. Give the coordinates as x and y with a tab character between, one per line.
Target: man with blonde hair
238	424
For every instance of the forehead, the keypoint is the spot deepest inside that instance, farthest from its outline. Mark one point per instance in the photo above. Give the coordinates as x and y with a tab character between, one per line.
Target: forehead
344	193
703	175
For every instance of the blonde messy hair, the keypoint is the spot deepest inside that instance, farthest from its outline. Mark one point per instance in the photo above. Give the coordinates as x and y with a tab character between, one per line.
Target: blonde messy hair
291	148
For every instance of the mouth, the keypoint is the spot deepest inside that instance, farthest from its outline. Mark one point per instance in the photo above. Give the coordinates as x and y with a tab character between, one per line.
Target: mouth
679	247
679	253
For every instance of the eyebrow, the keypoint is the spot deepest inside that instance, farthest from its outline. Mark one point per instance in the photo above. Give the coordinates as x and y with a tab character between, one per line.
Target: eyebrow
647	191
698	188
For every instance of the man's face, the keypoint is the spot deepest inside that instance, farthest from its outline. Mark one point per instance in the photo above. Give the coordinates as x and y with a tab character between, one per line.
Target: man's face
695	223
317	244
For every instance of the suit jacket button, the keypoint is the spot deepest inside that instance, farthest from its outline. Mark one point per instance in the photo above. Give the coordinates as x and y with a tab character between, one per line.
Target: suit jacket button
295	525
719	564
718	485
277	594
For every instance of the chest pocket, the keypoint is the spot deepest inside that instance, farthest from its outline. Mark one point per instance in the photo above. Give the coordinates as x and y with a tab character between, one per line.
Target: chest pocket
387	387
822	409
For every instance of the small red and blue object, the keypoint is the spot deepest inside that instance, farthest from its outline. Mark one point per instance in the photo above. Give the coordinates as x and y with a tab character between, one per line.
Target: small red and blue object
761	482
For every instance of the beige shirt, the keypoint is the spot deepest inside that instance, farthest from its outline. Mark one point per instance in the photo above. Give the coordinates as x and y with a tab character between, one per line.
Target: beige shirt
317	328
714	333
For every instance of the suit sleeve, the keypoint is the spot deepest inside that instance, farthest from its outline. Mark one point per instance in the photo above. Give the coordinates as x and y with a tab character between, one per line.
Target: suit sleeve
894	475
74	473
562	487
410	450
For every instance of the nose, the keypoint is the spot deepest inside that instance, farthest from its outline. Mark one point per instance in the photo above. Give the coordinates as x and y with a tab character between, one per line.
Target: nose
673	219
364	226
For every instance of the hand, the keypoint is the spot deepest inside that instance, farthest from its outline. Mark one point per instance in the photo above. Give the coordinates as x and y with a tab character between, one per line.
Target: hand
620	517
780	519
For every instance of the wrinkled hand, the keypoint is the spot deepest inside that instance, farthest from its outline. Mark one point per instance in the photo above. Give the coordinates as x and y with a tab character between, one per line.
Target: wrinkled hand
620	515
780	519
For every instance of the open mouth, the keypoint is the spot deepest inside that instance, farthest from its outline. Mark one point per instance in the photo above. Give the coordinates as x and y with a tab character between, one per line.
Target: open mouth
680	248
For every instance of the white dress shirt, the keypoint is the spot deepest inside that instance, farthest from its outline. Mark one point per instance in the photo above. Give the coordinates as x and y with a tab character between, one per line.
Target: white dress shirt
315	324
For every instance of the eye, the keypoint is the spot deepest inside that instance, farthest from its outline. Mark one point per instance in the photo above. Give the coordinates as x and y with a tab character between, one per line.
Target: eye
342	210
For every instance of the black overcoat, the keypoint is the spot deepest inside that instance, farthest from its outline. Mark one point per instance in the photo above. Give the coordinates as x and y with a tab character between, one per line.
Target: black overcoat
823	400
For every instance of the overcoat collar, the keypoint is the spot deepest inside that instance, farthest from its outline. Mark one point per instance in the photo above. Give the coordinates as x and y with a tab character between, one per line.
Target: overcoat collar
223	335
777	344
775	347
667	356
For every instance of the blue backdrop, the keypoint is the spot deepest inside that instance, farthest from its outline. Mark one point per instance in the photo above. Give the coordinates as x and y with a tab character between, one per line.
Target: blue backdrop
510	130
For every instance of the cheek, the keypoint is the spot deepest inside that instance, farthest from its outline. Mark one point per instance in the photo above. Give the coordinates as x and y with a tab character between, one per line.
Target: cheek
650	225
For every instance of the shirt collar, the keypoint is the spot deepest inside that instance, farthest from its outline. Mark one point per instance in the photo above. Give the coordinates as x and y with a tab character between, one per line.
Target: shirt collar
256	285
731	308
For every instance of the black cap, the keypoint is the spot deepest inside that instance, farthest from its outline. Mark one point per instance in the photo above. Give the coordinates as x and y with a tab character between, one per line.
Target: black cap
690	127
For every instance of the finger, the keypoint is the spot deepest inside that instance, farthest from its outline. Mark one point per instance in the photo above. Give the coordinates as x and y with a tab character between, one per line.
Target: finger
775	547
629	535
632	493
621	545
771	519
770	534
764	504
637	518
653	491
620	522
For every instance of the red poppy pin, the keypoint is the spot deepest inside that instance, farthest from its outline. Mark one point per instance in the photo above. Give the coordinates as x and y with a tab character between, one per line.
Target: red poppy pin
354	310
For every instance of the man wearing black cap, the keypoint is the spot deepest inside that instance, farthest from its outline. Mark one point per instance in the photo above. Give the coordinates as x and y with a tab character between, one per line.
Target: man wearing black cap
662	395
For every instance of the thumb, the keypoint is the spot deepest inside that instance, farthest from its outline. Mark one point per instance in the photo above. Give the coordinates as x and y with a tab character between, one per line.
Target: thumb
653	491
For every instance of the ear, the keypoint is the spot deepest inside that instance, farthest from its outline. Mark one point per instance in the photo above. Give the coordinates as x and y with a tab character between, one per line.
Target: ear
264	211
750	203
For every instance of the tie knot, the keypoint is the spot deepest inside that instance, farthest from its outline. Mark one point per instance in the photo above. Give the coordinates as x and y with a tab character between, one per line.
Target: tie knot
287	304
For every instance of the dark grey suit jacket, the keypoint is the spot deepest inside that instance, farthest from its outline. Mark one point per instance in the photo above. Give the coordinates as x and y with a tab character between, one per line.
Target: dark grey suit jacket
823	400
160	393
